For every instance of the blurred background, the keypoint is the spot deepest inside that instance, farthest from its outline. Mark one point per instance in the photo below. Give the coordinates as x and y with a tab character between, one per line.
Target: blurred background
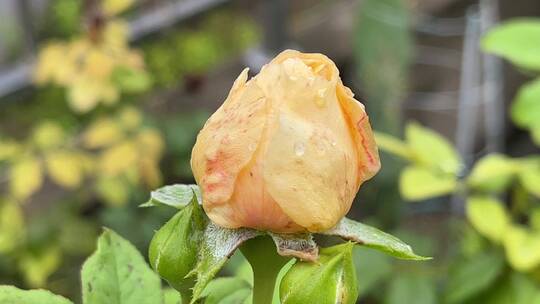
101	101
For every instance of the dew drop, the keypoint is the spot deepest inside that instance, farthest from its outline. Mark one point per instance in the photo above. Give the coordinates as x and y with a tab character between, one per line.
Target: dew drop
251	147
299	149
334	143
319	100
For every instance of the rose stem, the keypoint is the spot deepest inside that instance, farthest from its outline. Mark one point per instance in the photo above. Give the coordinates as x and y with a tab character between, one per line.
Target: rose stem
266	264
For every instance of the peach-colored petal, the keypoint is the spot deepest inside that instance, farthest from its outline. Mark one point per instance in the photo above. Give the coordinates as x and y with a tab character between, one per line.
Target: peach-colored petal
368	154
307	166
251	205
228	140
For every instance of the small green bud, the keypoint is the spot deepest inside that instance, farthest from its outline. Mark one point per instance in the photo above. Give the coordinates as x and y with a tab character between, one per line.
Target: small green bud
332	279
174	248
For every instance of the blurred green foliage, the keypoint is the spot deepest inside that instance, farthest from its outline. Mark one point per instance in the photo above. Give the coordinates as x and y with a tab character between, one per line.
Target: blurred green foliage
516	41
65	172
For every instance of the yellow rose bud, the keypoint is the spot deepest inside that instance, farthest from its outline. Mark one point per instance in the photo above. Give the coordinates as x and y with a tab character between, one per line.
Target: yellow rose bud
288	149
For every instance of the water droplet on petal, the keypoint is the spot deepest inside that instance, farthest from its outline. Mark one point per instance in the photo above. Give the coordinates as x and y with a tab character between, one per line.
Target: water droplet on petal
320	100
299	149
251	147
334	143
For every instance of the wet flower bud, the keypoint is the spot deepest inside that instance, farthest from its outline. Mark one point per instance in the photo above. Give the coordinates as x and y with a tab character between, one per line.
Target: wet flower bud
330	280
288	149
174	248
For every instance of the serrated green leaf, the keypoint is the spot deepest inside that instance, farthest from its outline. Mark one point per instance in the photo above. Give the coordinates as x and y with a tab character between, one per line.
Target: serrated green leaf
373	238
13	295
488	216
431	149
117	274
522	248
393	145
517	41
218	244
493	173
177	196
525	108
417	183
218	290
332	279
472	276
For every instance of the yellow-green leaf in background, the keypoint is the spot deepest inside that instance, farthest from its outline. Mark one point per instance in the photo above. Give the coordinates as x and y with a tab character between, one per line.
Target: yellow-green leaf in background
87	92
65	168
149	171
101	133
38	266
118	158
8	149
393	145
130	118
150	143
517	41
526	105
12	228
131	80
418	183
493	173
431	149
26	177
522	248
115	7
534	219
530	179
488	216
48	135
113	190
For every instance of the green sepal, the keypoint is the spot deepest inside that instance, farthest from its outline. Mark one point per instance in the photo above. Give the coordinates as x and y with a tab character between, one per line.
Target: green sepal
177	196
330	280
216	247
374	238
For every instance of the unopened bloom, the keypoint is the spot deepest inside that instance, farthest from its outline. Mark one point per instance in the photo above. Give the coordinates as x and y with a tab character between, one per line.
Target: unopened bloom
288	149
